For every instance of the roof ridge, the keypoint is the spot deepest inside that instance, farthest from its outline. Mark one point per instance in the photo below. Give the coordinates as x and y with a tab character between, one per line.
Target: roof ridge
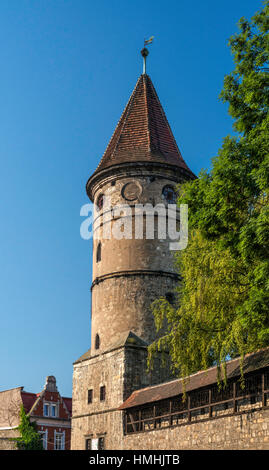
155	94
13	388
164	117
147	110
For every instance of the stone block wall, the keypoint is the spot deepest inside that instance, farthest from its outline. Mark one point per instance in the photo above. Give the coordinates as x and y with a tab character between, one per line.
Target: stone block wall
5	439
99	417
249	430
121	371
122	303
131	271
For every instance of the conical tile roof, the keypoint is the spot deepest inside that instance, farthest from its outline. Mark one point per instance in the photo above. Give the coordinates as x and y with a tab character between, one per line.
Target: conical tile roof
143	132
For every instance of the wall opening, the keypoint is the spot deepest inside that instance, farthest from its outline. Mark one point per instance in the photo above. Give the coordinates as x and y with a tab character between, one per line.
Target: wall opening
98	252
97	341
102	393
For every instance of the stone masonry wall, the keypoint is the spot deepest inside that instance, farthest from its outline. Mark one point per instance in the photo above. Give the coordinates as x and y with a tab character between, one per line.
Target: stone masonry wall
130	273
123	302
5	439
121	371
249	431
136	375
99	417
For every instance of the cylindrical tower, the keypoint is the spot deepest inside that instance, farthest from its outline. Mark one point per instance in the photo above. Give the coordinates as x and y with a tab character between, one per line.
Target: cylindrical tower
131	268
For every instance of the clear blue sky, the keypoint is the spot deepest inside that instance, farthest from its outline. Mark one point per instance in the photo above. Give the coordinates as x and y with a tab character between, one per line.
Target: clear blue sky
67	70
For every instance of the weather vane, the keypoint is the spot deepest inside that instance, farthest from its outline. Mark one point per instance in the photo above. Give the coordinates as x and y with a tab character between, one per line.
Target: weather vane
145	52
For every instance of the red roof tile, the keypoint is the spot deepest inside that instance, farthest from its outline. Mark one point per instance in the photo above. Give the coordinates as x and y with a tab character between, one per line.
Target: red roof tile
68	403
143	132
28	399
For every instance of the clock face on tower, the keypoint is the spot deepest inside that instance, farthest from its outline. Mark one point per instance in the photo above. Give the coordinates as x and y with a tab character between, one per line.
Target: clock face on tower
131	191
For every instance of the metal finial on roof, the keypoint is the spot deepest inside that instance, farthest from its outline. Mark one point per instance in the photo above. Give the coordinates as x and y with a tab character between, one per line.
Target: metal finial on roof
145	52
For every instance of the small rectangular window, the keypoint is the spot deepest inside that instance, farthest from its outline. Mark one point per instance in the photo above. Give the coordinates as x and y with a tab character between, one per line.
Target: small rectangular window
94	444
88	444
46	410
50	409
101	443
90	394
53	411
98	252
43	436
102	393
59	441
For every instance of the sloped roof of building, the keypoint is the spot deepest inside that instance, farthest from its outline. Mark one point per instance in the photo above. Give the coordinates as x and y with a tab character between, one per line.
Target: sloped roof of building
28	400
143	132
201	379
125	338
84	356
68	403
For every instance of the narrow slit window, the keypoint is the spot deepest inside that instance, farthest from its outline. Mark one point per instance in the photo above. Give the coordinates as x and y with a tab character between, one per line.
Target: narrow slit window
97	341
102	393
101	443
98	253
90	396
88	444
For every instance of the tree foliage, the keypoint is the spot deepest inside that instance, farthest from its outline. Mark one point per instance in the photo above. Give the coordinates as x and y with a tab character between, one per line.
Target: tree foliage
222	308
29	439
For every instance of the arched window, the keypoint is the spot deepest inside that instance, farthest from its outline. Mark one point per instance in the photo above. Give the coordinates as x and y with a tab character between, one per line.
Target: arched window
98	252
97	341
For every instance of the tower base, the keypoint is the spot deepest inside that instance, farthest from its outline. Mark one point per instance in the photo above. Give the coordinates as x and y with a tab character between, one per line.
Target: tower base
101	382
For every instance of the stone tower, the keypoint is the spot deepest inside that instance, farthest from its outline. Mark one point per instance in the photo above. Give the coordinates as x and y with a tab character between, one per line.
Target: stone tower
141	165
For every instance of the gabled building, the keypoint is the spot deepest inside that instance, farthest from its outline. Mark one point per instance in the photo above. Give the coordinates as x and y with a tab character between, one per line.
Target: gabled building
51	412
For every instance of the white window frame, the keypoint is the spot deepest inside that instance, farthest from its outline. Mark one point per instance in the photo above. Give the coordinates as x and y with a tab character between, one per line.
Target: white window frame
62	437
53	406
94	443
50	407
44	437
44	407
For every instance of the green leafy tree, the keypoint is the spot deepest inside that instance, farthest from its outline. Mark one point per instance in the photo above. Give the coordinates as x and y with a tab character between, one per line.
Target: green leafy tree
223	300
30	439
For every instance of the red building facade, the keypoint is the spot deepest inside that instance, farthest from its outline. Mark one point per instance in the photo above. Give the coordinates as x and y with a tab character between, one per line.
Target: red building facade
51	412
